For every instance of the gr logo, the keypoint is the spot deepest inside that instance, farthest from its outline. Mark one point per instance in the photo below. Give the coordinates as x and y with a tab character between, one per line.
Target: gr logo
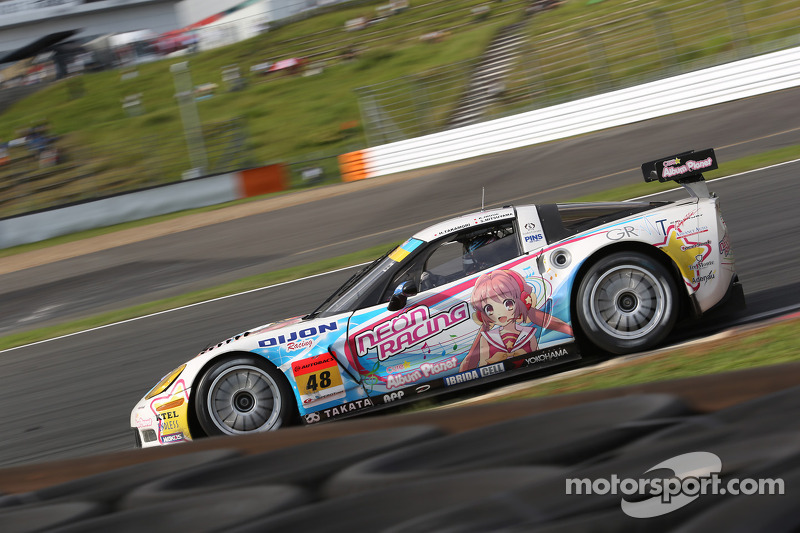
393	397
621	233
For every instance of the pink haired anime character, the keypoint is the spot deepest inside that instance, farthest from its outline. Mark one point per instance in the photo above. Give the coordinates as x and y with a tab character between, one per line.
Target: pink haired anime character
502	301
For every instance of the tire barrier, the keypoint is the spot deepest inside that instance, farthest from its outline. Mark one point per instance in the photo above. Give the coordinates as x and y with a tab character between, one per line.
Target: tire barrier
776	513
382	508
306	465
220	511
30	518
108	487
537	470
564	436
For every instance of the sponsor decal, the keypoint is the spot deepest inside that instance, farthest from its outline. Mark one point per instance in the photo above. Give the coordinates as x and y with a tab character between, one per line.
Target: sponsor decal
425	370
694	231
318	379
169	410
313	418
422	388
692	246
394	381
703	279
725	246
298	335
546	356
407	329
398	368
292	346
699	263
172	437
463	377
625	232
469	375
674	167
531	233
346	408
679	243
393	396
142	421
664	227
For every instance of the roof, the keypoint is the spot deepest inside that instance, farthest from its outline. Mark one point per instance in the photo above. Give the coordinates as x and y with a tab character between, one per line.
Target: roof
465	221
38	46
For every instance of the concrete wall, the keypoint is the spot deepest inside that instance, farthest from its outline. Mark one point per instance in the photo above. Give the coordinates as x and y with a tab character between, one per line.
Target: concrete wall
137	205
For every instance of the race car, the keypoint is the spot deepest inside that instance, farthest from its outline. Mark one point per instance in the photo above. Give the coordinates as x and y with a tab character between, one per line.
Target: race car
476	298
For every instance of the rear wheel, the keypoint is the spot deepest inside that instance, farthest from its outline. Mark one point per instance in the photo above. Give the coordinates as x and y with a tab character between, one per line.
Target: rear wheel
626	302
243	395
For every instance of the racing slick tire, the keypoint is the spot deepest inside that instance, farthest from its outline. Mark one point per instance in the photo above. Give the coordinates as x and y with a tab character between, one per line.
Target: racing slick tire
626	302
243	395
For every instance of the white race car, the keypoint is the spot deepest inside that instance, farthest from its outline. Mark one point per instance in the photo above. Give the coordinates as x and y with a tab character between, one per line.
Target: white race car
476	298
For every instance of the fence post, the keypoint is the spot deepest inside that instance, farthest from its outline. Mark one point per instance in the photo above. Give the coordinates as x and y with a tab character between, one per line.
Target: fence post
597	56
366	124
191	119
738	26
665	39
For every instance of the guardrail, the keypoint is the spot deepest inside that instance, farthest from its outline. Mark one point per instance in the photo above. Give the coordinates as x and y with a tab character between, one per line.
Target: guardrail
732	81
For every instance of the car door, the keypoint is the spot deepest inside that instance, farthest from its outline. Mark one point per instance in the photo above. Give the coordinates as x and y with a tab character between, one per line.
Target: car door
439	333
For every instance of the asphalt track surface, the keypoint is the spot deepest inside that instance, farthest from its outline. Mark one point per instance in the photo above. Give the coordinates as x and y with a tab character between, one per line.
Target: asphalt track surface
71	397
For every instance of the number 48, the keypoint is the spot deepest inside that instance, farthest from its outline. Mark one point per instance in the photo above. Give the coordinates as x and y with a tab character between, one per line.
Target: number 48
324	381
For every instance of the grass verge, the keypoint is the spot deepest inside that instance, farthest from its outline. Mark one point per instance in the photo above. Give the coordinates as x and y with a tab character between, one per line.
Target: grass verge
768	345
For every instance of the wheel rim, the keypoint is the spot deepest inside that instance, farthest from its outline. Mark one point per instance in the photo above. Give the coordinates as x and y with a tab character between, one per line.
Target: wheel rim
628	302
244	399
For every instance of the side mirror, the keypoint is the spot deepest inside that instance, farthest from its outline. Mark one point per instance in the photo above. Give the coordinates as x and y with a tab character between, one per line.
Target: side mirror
401	294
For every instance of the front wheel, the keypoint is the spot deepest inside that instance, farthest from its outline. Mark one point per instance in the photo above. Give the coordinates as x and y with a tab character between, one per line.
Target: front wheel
242	395
626	302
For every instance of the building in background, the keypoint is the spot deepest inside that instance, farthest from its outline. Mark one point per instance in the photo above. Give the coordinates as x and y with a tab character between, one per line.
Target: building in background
72	36
23	22
219	23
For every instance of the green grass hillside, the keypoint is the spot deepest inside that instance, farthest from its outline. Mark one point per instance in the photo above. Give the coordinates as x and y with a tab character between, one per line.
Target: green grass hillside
580	47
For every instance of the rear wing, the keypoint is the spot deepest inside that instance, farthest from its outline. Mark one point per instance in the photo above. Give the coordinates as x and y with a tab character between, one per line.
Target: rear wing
685	168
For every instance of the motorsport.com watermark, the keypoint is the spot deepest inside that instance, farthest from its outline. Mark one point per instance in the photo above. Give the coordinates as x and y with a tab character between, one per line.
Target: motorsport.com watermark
695	474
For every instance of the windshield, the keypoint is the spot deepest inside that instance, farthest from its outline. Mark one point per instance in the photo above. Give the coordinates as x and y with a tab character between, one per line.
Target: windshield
370	278
346	297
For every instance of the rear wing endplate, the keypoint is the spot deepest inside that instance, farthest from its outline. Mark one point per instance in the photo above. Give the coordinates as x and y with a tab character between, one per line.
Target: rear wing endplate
685	168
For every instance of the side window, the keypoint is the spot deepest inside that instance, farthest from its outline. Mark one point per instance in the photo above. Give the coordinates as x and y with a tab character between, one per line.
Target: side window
460	255
444	265
489	248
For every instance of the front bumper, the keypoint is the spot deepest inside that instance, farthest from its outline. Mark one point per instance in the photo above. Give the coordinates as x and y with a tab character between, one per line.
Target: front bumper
162	420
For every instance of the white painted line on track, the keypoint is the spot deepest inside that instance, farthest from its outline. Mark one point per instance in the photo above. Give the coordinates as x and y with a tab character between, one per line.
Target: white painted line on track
182	307
324	273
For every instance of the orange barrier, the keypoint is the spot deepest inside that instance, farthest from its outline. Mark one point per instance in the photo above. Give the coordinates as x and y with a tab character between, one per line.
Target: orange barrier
262	180
353	166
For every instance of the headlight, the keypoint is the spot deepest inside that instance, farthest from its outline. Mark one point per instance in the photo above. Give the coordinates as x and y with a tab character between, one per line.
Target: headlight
165	382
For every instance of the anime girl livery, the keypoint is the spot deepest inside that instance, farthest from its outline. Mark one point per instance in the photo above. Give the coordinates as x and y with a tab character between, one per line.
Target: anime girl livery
504	308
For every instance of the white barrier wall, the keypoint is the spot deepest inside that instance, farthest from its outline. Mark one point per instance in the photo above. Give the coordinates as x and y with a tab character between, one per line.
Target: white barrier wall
117	209
732	81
